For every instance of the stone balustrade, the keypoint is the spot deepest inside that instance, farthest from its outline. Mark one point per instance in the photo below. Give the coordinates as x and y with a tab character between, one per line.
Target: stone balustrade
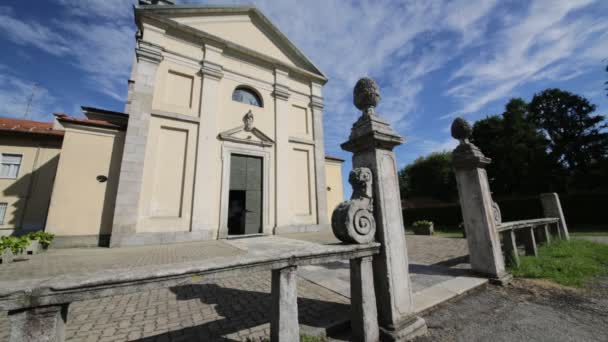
38	308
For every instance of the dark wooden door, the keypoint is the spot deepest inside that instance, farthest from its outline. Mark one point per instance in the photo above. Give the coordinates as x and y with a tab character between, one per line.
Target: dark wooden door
245	198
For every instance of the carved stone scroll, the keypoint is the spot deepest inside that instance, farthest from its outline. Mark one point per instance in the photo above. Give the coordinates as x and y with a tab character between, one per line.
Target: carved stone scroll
353	221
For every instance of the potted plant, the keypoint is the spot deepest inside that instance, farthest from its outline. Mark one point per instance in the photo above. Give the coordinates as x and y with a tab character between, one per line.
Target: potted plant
423	227
43	239
16	245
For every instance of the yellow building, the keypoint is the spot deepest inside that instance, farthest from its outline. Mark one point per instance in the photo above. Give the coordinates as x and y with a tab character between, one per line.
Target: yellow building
222	135
29	152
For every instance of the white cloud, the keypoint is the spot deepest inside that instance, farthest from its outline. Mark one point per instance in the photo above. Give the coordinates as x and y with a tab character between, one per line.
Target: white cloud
15	93
544	44
110	9
102	49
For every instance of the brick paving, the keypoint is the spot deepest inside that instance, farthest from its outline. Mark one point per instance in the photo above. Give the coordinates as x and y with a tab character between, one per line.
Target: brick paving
229	309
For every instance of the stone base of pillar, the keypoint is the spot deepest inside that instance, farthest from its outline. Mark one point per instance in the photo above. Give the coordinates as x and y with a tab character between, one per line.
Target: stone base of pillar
407	330
41	324
502	280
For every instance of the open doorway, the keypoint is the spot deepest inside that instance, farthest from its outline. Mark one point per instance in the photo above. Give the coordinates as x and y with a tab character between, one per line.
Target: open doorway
245	195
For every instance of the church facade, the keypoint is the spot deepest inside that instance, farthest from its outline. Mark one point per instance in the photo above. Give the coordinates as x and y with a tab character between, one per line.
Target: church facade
222	135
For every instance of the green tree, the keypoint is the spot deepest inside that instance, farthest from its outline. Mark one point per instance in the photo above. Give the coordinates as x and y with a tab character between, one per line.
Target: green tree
430	176
518	151
578	140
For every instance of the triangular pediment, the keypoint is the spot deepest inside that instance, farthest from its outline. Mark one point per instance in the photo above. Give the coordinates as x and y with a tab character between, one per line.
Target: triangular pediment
251	136
240	25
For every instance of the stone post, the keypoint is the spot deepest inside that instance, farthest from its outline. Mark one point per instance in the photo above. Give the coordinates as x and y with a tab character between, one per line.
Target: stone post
141	91
372	141
204	209
364	316
316	104
553	208
284	320
40	324
476	203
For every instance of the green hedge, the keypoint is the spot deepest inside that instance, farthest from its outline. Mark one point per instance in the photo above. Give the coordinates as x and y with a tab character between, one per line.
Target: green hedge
583	209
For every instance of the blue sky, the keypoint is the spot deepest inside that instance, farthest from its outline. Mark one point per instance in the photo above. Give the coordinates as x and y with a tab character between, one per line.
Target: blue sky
434	60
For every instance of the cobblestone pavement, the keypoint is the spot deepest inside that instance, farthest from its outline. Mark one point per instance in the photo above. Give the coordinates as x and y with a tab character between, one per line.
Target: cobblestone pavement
421	249
230	309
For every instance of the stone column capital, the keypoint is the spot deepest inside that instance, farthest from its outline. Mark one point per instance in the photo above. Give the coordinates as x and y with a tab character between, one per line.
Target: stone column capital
281	92
369	132
212	70
468	156
148	52
316	102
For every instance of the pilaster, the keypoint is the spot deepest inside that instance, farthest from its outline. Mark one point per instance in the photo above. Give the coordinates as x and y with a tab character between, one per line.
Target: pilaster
281	97
316	103
148	57
205	209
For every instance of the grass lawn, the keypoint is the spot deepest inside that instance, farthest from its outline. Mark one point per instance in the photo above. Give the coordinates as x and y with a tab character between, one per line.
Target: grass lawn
569	263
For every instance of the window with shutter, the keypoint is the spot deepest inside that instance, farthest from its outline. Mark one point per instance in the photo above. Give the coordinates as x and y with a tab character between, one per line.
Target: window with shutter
9	168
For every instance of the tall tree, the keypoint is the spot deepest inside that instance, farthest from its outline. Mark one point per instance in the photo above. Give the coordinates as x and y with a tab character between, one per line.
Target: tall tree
517	149
577	139
430	176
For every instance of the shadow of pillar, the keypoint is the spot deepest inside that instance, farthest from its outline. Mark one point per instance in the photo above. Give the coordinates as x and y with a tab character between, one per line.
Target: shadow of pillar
240	310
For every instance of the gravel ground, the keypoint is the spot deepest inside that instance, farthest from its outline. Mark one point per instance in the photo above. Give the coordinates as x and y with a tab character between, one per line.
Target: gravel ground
526	310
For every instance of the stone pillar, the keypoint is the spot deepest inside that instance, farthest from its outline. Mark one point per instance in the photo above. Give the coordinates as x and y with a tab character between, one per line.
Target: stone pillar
316	103
126	214
284	320
364	315
476	204
372	141
281	106
553	208
205	209
41	324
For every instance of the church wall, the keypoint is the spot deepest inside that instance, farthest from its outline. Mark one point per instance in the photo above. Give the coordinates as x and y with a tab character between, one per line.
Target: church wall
168	181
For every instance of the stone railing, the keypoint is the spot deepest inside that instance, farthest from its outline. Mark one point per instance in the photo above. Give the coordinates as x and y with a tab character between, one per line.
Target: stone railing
530	232
38	308
482	218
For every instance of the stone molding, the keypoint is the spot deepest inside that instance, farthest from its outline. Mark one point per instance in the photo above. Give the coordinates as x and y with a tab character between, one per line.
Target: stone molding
371	130
212	70
316	102
148	52
281	92
468	156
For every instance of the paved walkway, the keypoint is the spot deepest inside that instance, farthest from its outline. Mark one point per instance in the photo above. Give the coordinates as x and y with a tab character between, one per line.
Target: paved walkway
235	308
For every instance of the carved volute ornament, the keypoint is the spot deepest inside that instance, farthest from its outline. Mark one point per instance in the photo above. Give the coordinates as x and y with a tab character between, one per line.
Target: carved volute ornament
248	121
353	221
366	95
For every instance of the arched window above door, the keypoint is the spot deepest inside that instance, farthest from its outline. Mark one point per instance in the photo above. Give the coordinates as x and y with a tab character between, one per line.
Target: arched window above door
248	96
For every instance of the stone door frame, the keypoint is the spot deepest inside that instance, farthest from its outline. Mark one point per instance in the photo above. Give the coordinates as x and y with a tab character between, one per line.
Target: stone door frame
229	148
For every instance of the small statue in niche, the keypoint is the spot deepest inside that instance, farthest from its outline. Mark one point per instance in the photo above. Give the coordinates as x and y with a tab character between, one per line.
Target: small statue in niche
353	221
248	121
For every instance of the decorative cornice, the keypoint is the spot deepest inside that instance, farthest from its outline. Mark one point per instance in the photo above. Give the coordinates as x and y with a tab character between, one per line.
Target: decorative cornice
148	52
229	135
468	156
212	70
281	92
316	102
